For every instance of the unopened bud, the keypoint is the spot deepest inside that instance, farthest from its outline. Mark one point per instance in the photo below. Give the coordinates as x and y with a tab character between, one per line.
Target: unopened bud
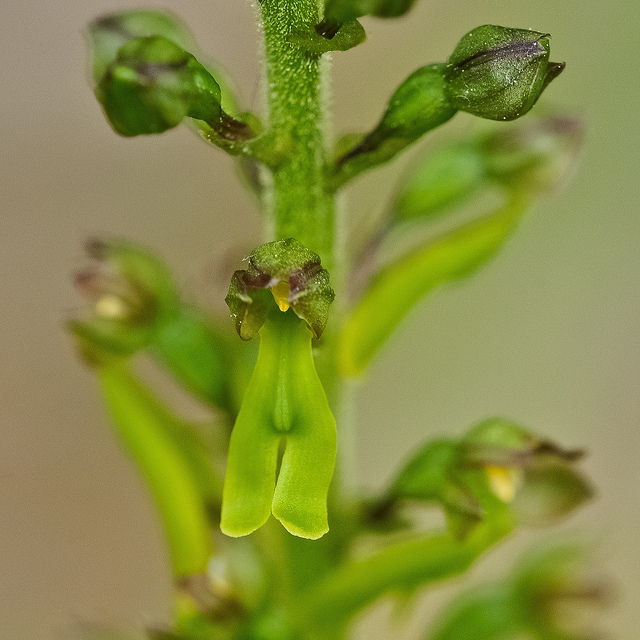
498	73
147	81
535	154
153	84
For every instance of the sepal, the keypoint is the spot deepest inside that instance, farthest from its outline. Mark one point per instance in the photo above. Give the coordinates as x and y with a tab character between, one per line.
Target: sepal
283	273
110	32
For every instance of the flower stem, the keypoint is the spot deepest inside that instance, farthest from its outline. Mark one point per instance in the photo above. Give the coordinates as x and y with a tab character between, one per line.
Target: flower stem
296	198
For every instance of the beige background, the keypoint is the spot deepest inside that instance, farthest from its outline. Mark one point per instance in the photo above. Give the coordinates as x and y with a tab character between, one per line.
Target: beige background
548	334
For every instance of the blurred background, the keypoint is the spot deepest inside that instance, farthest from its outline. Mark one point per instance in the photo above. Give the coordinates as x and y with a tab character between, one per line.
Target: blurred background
547	334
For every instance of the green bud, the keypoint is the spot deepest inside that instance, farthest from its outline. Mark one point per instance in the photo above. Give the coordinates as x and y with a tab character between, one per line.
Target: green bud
552	594
283	273
110	32
131	293
418	105
499	73
497	465
559	592
153	84
534	155
284	404
147	82
134	304
338	12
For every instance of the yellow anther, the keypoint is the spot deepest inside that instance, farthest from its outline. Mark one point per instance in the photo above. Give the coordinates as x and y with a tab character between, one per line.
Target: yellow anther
504	481
111	306
280	293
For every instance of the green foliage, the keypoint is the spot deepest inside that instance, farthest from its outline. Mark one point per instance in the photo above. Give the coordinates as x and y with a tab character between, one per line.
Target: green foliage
346	551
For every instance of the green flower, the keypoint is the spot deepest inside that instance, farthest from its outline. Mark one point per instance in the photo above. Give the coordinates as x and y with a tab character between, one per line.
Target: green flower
283	297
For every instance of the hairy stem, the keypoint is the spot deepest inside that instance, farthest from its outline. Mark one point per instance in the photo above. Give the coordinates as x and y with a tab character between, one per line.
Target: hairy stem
296	198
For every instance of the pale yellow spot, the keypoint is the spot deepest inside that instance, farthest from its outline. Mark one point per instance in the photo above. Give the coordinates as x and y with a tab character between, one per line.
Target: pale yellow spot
280	293
111	306
504	481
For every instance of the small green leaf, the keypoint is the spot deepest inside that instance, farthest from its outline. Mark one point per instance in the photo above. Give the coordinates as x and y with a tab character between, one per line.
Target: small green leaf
398	287
350	35
284	404
171	462
499	73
